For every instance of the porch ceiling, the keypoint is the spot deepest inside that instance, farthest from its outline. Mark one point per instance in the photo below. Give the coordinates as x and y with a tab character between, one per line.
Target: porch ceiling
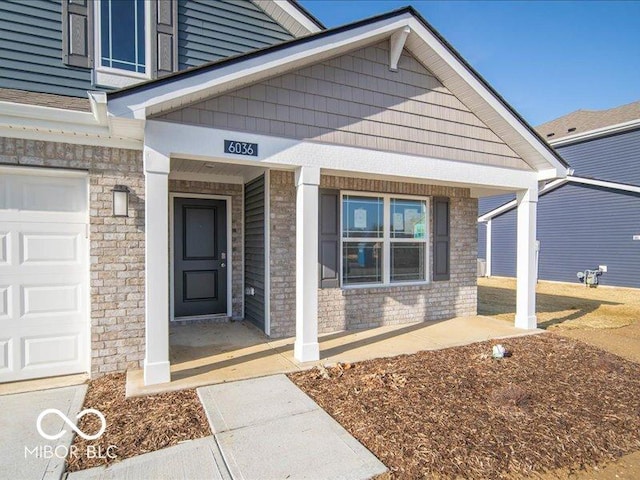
187	169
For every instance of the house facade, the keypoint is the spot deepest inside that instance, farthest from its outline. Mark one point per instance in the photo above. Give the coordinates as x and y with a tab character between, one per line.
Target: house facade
325	182
588	220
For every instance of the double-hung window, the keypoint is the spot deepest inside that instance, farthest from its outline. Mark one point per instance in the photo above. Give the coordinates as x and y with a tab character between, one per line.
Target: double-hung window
122	41
384	239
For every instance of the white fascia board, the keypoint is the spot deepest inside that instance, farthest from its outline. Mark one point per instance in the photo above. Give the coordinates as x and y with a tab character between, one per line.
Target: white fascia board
38	112
186	90
443	52
603	183
297	15
596	133
207	144
512	204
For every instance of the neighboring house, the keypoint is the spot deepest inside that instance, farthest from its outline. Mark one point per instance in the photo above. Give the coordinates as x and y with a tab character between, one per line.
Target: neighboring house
587	220
323	183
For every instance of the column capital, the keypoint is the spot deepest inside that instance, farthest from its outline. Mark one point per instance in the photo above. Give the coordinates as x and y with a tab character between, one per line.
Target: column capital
529	195
307	176
155	162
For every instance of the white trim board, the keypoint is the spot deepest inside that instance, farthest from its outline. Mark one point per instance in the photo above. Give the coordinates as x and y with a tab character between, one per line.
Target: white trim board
230	266
558	183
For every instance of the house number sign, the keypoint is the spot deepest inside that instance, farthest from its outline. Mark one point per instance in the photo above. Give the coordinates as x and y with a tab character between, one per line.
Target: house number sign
241	148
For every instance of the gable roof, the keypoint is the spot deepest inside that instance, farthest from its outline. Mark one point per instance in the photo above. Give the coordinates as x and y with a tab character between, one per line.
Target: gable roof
424	42
582	121
291	15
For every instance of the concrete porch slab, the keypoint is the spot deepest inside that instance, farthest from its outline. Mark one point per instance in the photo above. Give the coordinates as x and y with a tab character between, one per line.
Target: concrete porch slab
19	416
268	428
207	354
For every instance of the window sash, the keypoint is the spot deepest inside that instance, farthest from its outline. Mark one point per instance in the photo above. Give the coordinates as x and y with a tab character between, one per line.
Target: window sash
386	240
135	60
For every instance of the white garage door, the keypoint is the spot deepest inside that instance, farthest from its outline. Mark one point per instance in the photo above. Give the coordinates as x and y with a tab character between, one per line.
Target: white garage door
44	272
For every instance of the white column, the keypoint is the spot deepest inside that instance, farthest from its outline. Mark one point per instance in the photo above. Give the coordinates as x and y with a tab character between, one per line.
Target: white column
488	250
527	201
156	210
306	346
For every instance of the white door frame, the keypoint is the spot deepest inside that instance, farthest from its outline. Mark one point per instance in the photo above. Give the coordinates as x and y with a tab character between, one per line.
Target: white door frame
228	200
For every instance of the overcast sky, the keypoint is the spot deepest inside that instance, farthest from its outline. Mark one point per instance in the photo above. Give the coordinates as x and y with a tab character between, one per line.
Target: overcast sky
546	58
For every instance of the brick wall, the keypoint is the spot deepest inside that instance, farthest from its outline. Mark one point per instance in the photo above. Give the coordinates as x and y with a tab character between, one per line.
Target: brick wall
341	309
237	256
116	244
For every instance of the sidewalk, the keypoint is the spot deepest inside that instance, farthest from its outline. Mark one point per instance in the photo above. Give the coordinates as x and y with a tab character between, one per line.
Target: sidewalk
264	428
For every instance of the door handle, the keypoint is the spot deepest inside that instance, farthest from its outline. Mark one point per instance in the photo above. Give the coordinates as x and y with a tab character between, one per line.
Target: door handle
222	265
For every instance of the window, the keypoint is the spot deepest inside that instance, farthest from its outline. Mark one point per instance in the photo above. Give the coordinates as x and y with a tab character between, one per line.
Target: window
384	239
122	35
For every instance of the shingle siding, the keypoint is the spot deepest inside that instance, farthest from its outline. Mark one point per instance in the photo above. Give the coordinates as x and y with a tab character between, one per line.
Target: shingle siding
31	50
355	100
211	30
579	227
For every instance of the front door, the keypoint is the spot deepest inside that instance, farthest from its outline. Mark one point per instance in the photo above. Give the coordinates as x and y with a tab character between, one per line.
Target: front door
200	251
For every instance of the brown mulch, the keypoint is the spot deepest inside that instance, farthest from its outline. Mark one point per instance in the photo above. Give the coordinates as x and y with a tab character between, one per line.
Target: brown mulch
135	425
554	403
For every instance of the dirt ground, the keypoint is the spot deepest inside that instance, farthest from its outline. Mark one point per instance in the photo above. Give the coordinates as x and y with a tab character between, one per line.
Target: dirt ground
605	317
554	407
608	318
135	425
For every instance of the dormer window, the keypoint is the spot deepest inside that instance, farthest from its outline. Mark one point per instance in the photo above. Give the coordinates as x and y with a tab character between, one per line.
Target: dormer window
122	35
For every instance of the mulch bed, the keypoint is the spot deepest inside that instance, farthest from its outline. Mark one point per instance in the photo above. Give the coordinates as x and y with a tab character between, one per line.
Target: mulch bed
135	425
554	403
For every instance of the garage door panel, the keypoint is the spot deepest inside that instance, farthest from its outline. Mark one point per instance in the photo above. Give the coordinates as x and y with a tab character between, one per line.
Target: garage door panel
50	300
50	351
44	272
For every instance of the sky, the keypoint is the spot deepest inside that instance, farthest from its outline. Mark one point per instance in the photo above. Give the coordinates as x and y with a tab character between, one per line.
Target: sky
546	58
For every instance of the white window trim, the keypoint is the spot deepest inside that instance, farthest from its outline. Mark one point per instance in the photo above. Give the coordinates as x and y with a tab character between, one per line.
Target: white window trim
115	77
386	240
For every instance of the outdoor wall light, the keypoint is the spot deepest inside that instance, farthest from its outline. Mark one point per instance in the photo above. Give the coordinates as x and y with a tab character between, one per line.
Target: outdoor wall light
120	201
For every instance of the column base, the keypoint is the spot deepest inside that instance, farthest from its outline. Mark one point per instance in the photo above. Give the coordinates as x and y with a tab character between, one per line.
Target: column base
156	372
526	322
306	352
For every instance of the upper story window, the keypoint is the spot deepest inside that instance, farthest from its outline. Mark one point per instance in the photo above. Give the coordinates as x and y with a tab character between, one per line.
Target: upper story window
122	35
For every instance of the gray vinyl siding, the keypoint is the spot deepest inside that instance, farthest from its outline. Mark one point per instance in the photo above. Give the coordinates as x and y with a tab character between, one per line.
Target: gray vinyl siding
490	203
354	99
211	30
31	50
615	158
579	227
482	240
254	250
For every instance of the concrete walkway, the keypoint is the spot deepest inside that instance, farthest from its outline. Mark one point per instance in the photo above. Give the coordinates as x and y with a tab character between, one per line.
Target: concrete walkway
19	413
268	428
207	354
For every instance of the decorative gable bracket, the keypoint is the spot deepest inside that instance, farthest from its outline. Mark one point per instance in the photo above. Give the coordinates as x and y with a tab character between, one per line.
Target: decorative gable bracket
396	44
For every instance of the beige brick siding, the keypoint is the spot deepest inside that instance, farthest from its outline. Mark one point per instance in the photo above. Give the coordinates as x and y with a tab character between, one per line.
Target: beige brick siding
237	256
116	244
341	309
355	100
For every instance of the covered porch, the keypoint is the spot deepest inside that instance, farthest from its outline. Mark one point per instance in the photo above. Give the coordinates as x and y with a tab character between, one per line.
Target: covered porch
207	354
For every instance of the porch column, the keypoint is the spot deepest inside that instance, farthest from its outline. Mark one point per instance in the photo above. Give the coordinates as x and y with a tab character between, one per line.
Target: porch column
488	250
156	213
527	201
306	346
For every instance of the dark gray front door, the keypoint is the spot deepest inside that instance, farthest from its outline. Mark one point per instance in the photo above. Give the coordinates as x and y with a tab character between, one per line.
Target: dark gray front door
200	250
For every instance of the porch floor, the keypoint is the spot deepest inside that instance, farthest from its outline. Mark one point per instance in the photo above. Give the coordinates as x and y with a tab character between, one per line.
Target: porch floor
205	354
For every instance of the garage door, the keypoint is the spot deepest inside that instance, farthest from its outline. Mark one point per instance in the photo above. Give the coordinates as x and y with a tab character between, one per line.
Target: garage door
44	274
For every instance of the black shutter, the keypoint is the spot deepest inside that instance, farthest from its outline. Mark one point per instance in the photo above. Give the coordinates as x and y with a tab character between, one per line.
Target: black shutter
329	239
164	37
441	239
77	33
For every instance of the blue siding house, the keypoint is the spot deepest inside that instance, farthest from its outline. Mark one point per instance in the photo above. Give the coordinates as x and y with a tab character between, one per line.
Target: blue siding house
589	220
